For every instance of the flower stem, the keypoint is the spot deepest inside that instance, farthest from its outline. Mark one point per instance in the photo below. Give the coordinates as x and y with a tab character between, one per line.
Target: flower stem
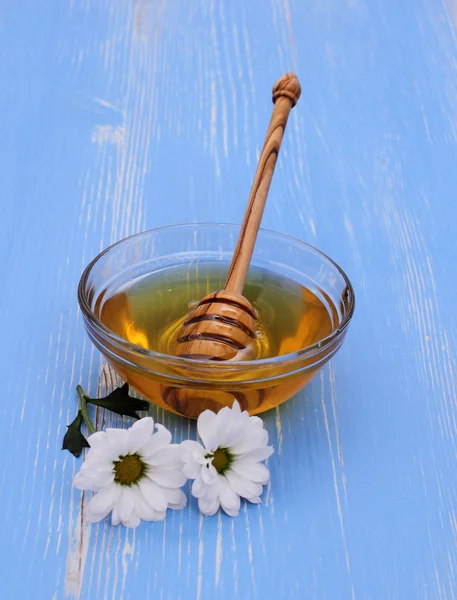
83	408
78	420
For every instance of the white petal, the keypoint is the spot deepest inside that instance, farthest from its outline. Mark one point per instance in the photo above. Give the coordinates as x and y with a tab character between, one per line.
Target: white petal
95	517
173	496
202	459
212	491
115	518
190	449
188	446
154	495
199	488
94	479
208	506
255	500
93	482
191	470
242	486
207	429
235	436
256	422
208	474
160	516
231	512
113	434
107	475
224	425
118	442
236	407
142	507
102	503
97	440
253	438
230	501
84	481
140	432
125	503
241	419
133	522
254	471
257	454
161	438
176	499
231	425
98	463
169	456
223	415
169	478
102	452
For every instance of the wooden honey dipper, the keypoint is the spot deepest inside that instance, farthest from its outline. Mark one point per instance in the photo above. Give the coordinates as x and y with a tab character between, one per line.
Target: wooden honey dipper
223	325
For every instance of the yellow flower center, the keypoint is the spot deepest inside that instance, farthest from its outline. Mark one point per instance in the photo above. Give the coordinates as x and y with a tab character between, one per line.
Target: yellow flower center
128	469
222	459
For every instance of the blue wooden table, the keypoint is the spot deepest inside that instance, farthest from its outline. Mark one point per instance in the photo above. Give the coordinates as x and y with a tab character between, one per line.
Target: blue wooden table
122	116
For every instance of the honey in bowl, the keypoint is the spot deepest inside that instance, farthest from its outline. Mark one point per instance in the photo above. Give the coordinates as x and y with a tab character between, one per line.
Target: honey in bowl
149	311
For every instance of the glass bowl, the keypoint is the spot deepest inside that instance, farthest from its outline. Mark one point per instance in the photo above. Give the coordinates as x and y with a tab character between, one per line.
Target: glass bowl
186	386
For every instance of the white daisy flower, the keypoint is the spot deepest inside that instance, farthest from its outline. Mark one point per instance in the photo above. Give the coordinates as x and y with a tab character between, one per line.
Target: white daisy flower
136	474
228	464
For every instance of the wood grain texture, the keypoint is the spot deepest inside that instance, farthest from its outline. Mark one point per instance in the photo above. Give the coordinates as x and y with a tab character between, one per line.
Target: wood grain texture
99	100
221	326
286	92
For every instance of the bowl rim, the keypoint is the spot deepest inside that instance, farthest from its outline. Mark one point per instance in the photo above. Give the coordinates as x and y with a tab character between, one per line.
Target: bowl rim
231	364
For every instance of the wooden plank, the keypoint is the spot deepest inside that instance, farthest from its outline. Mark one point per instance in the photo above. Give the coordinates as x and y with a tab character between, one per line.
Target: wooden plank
122	116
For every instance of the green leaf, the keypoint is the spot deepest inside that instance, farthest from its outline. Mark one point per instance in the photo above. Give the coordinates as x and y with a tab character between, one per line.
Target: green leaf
121	403
73	440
